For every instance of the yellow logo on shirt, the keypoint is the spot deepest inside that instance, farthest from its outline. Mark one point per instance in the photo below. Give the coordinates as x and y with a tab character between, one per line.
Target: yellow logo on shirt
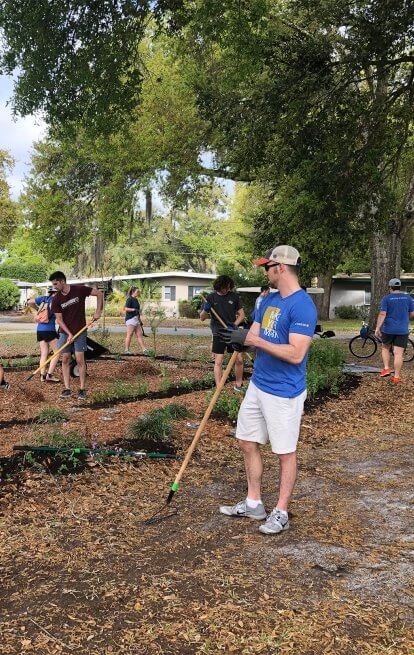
270	318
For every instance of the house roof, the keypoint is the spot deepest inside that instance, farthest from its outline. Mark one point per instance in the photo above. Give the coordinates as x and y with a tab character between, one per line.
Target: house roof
141	276
367	276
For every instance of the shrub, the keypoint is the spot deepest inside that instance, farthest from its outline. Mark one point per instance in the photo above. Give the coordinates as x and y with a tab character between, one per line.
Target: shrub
9	294
186	309
348	311
326	360
21	271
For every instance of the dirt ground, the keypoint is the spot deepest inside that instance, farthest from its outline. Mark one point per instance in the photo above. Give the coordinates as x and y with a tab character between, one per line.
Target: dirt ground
82	573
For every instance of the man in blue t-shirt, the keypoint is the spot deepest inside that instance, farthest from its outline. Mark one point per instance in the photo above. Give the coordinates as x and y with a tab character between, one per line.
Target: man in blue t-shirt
272	409
393	321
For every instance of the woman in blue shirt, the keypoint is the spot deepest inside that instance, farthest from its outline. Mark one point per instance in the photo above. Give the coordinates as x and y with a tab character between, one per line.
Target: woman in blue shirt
46	334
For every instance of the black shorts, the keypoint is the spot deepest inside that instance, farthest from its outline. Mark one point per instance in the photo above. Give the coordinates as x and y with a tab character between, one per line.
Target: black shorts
46	335
399	340
219	346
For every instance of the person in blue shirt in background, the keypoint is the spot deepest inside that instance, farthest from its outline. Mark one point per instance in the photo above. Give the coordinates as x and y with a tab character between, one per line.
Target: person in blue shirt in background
46	334
264	292
393	326
272	409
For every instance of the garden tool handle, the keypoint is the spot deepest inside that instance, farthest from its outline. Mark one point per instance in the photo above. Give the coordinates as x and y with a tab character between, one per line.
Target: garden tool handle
59	350
201	427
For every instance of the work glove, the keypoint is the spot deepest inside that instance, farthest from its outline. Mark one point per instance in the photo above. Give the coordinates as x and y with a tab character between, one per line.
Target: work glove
206	307
234	338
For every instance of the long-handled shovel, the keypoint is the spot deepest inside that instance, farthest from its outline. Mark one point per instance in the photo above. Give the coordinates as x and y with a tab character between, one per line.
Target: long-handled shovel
221	321
174	487
59	350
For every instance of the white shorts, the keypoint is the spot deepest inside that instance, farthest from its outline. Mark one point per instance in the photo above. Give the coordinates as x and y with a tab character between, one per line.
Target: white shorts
264	417
134	321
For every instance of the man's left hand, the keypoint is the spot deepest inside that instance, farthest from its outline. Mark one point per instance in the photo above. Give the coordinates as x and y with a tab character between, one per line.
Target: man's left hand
96	316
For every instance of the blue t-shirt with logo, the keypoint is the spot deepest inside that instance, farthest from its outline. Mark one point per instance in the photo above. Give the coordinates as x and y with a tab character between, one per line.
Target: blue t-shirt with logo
278	318
51	324
398	307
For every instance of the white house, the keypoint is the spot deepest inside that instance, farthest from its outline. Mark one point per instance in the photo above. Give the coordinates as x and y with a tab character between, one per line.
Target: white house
355	289
175	285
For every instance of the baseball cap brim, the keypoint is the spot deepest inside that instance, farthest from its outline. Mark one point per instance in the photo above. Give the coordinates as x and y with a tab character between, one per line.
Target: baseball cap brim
262	261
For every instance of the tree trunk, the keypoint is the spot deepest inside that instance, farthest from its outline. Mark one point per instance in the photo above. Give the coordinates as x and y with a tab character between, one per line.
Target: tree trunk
385	264
322	301
148	206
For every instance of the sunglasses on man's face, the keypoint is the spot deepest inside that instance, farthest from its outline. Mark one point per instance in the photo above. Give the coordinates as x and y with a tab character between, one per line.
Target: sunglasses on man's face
268	266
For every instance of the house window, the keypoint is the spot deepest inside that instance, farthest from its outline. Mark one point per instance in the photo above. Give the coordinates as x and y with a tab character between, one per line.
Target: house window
367	300
169	293
194	291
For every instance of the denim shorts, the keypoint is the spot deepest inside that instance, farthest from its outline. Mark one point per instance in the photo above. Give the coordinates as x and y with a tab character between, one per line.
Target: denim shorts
79	345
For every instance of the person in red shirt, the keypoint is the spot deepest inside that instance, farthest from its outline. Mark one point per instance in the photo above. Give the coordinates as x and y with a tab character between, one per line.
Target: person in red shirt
69	307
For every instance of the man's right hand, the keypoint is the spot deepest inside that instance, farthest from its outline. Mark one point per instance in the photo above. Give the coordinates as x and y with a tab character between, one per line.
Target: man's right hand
378	333
70	337
234	338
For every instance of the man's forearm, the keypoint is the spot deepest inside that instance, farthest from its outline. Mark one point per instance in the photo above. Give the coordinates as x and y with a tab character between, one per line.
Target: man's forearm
62	326
99	302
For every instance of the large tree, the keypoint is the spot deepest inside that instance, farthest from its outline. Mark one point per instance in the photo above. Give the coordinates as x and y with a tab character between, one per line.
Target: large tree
8	210
319	108
308	95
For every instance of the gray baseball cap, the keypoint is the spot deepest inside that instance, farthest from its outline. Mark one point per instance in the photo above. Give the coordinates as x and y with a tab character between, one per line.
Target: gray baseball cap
394	282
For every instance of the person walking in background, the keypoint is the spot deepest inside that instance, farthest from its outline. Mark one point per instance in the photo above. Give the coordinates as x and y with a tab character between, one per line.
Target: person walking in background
226	303
46	333
272	408
393	321
133	320
69	306
3	384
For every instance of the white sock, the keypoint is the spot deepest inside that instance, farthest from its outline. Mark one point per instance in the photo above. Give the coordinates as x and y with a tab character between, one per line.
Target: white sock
253	503
282	511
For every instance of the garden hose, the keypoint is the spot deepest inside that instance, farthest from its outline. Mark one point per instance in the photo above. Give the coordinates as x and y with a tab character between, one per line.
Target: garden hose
93	451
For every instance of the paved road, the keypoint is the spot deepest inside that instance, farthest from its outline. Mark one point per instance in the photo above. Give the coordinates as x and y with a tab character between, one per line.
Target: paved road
13	326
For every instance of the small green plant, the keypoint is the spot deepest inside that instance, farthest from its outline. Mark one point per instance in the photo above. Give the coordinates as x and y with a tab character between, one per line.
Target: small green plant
155	315
141	388
326	360
176	411
165	384
156	424
228	404
119	389
185	383
51	415
58	439
208	378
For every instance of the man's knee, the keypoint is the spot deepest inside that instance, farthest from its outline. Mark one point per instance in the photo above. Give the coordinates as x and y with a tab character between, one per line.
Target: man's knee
66	357
80	358
248	447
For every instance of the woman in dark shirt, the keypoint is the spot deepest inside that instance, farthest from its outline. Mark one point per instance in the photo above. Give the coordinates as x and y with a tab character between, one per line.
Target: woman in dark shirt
133	320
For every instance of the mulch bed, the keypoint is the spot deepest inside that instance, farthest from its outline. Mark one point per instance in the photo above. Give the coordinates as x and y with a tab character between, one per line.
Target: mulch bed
82	573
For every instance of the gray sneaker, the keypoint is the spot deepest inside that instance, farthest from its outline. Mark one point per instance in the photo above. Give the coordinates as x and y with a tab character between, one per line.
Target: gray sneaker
243	511
82	394
66	393
276	522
